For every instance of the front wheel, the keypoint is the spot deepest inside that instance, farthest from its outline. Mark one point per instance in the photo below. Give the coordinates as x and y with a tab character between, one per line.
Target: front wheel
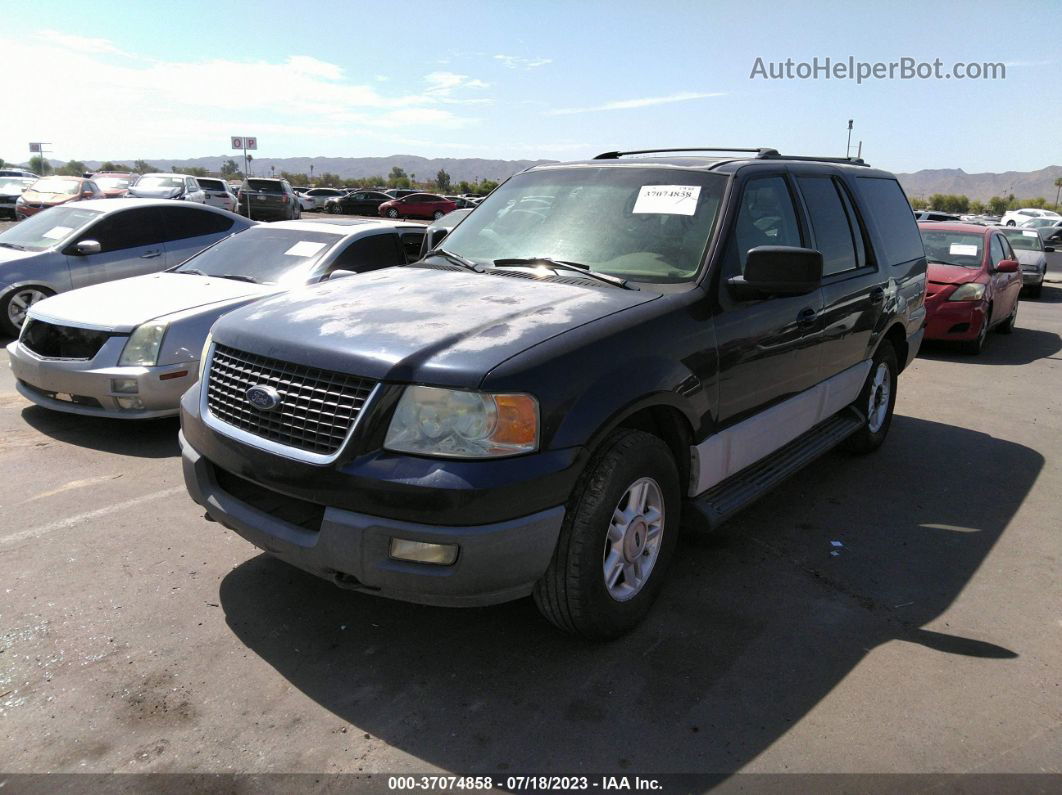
619	533
977	344
1007	326
876	402
392	213
335	209
16	305
438	214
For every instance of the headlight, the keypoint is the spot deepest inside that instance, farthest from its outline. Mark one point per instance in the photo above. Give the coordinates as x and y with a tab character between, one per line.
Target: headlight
20	200
204	353
971	291
456	424
142	349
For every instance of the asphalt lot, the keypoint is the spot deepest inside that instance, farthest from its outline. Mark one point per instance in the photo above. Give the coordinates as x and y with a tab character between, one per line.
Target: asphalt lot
136	637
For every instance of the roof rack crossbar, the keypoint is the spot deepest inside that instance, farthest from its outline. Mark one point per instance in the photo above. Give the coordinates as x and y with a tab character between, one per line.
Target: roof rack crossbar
852	161
760	151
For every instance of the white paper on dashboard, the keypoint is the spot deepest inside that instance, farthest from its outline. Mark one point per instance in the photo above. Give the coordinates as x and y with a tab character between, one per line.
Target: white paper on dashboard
668	199
57	232
305	248
1029	233
963	250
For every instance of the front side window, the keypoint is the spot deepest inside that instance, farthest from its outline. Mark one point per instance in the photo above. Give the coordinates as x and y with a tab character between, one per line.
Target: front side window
370	253
997	253
646	224
127	229
765	218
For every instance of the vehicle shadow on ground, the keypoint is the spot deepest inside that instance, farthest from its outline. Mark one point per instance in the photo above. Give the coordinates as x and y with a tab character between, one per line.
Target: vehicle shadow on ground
1051	294
751	632
140	438
1021	346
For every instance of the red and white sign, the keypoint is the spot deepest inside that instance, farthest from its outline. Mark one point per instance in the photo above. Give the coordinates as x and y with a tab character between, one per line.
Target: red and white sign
252	143
237	142
244	142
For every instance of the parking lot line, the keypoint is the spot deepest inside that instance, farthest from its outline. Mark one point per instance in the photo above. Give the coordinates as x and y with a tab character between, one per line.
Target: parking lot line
70	521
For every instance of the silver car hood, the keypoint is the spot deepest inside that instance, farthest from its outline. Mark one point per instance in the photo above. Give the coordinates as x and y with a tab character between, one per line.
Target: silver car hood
1029	257
13	254
124	304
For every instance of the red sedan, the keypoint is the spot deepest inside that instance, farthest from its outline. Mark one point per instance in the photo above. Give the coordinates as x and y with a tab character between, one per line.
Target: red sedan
974	283
114	184
418	205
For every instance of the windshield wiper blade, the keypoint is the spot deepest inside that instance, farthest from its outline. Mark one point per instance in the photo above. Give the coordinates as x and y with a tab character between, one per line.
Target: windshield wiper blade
239	277
192	271
457	259
578	267
14	246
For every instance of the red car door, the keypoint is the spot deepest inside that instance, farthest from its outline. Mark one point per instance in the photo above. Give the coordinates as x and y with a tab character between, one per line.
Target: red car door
1003	293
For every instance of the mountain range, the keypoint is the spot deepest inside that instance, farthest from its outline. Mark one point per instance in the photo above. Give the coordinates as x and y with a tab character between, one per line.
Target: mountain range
1022	184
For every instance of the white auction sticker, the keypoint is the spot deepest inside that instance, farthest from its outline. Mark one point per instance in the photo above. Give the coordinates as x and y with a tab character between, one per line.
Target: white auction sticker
1029	233
57	232
668	199
963	250
305	248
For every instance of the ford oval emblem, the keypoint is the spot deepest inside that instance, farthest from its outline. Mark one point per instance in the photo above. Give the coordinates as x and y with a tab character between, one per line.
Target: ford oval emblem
263	398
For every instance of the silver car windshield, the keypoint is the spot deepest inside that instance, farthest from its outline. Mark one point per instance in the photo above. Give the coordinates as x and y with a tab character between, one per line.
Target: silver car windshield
159	182
645	224
263	254
48	228
1025	239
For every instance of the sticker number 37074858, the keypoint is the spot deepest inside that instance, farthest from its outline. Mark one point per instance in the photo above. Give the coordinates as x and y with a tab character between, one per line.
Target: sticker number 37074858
670	199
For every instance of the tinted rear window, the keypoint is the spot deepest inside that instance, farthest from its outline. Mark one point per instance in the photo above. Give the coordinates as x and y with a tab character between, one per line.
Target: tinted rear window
265	185
211	184
886	204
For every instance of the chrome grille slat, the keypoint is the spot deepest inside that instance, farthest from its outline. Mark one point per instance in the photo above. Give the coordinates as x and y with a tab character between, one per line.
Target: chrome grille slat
318	407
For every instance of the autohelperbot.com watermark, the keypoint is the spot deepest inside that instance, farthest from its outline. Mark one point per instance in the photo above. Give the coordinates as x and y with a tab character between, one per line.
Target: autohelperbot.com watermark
905	68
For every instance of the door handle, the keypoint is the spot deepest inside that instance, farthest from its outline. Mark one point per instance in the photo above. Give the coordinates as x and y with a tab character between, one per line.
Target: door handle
877	295
807	316
150	254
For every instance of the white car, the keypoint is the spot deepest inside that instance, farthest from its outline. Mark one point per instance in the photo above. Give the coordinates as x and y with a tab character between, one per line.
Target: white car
167	186
1020	216
217	193
318	197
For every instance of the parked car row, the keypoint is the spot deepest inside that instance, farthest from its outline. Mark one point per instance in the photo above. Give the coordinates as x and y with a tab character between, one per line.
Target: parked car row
527	397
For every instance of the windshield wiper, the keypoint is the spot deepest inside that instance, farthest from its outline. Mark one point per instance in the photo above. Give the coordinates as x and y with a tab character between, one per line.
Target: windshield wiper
457	259
239	277
578	267
14	246
192	271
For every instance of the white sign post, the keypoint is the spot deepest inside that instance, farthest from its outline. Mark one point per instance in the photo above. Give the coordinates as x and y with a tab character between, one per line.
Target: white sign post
245	143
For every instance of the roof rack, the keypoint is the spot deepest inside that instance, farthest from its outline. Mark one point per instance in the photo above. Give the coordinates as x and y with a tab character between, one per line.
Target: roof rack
761	153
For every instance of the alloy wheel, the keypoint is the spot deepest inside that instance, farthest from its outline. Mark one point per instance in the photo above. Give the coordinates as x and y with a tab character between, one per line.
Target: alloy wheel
20	303
632	544
878	403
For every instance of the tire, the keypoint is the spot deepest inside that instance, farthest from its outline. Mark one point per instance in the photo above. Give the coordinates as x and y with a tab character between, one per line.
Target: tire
296	212
1037	290
392	213
1007	326
573	594
437	214
874	403
334	209
15	305
975	346
1011	223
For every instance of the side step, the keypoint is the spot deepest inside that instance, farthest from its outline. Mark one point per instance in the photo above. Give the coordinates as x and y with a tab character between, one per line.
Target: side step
721	502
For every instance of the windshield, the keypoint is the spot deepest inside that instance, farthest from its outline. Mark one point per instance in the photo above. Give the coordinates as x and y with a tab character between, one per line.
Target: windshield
112	183
1025	239
953	248
67	187
47	228
265	185
14	184
643	224
1040	223
152	183
263	254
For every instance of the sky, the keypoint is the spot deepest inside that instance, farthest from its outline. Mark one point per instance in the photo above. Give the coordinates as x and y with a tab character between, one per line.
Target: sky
526	80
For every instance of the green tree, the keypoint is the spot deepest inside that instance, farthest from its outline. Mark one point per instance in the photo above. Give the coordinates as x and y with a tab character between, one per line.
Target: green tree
2	165
977	207
442	181
230	169
329	180
997	205
109	166
72	168
142	167
463	187
197	171
38	165
397	178
918	203
486	186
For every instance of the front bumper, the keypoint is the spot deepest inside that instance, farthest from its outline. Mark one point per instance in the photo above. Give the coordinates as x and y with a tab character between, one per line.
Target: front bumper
954	320
1033	277
88	383
496	562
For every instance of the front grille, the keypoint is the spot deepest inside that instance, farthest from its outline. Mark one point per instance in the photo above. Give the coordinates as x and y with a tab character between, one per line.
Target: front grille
317	407
302	513
62	342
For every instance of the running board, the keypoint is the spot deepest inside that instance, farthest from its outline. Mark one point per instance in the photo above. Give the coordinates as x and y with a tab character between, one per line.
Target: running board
722	501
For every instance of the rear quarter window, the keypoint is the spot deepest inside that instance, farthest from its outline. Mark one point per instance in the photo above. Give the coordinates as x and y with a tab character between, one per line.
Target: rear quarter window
898	238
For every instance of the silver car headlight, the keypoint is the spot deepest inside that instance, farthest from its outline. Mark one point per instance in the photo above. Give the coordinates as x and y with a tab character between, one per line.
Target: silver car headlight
142	347
453	423
205	352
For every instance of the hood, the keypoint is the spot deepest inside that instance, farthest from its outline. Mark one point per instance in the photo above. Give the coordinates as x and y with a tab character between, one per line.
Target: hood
47	198
421	325
951	274
154	193
13	254
124	304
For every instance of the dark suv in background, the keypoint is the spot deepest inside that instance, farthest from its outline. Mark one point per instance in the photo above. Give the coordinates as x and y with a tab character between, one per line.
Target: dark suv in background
597	349
268	200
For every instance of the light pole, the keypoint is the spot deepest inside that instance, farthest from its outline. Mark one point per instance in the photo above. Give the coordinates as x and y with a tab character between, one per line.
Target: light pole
848	146
311	173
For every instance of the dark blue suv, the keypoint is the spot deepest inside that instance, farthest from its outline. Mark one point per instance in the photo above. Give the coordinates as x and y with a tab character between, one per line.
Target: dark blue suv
599	348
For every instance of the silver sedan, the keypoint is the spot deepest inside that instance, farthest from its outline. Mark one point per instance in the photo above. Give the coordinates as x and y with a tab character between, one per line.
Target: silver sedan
131	348
99	240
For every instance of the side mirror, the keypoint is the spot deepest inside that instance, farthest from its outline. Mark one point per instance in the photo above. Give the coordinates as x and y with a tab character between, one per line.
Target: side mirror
780	270
340	274
1049	249
1007	266
88	247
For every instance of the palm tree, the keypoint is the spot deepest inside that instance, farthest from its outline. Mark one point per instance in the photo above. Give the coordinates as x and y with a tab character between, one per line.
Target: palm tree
1058	186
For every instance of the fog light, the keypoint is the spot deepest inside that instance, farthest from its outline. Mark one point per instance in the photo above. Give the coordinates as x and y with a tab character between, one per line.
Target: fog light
423	552
130	403
125	386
